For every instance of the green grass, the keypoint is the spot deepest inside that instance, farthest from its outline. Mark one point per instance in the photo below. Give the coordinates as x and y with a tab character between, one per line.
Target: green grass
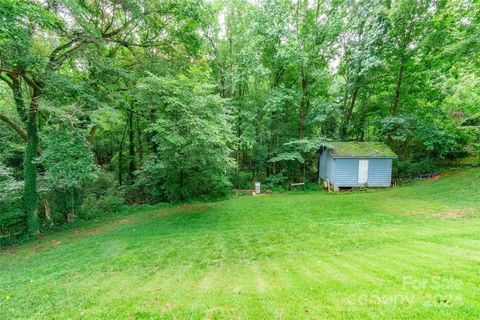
411	252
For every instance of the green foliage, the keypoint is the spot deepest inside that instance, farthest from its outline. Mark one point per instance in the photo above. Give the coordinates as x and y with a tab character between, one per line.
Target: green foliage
472	121
149	185
191	136
277	182
297	155
12	222
416	138
93	207
17	37
407	170
288	156
68	161
101	196
243	180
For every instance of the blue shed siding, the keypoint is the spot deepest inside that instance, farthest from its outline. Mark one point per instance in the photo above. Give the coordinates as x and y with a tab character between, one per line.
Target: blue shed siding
380	174
343	172
346	172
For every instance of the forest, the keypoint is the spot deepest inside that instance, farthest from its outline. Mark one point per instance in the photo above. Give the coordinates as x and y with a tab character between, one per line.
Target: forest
111	103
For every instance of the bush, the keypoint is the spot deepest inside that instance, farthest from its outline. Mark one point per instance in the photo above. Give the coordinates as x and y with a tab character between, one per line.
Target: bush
313	186
112	203
61	205
149	183
104	184
101	196
242	180
88	208
12	222
155	183
93	207
278	180
406	170
12	217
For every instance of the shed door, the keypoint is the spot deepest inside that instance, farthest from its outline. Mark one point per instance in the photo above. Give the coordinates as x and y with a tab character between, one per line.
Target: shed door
362	171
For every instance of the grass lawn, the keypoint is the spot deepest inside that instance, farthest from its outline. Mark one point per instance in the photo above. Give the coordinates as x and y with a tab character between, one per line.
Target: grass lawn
411	252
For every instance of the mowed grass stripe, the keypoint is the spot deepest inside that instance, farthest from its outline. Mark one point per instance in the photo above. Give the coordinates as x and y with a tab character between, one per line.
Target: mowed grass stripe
353	272
431	250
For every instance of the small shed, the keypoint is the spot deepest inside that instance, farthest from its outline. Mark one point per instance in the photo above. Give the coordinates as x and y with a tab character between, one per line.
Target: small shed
356	164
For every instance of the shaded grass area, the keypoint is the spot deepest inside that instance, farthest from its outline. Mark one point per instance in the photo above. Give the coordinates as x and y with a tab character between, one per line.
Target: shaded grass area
408	252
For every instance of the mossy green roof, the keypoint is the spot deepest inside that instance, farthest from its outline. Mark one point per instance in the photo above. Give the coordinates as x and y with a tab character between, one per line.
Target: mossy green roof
360	150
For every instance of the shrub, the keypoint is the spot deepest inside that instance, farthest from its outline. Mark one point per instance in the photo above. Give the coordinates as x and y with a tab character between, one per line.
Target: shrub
313	186
112	203
102	196
242	180
104	184
406	170
12	222
12	217
93	207
276	182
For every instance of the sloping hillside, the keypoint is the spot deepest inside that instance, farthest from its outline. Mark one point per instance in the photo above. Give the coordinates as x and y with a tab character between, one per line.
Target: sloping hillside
408	252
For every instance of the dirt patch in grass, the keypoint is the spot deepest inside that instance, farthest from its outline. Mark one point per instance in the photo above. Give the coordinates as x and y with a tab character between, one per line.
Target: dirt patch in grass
192	207
44	246
187	209
87	232
37	246
91	231
41	244
456	213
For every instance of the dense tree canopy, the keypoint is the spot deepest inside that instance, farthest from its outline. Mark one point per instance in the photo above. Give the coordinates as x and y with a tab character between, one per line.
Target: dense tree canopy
104	103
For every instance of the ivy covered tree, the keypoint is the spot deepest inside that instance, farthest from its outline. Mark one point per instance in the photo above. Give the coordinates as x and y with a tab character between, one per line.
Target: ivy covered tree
68	162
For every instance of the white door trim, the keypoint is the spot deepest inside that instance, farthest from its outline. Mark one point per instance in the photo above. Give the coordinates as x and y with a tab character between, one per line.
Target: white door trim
362	172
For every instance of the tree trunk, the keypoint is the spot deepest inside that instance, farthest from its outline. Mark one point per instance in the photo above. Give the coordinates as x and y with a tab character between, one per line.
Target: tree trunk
348	113
303	105
30	135
131	148
30	196
120	157
139	142
396	99
182	193
239	133
48	211
18	98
